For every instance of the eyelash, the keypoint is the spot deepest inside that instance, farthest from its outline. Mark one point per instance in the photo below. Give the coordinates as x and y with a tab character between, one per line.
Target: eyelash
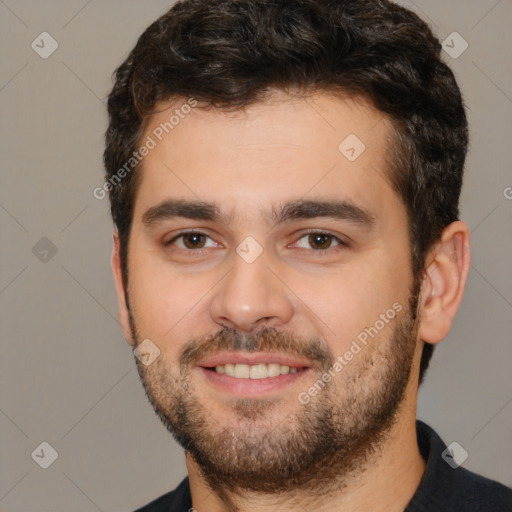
341	243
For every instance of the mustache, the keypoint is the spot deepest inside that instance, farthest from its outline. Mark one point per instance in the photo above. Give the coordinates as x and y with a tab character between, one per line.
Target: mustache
267	339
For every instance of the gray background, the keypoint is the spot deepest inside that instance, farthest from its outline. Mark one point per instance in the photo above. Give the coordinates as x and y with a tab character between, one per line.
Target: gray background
67	375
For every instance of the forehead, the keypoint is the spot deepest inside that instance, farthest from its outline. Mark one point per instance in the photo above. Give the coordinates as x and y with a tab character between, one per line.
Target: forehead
280	150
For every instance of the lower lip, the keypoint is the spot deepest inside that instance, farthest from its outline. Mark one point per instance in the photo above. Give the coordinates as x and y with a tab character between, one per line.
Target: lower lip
251	387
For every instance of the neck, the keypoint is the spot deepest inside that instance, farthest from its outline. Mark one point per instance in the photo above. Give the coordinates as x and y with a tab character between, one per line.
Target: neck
385	482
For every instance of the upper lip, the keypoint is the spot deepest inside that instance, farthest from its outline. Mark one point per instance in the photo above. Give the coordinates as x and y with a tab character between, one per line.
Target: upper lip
252	358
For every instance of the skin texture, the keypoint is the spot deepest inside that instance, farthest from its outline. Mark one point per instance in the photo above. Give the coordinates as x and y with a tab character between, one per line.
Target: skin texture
354	444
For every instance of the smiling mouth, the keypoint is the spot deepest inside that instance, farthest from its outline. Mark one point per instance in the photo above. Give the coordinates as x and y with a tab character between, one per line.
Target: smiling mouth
255	371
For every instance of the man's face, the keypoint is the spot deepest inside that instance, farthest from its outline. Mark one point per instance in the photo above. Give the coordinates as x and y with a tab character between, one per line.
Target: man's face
277	293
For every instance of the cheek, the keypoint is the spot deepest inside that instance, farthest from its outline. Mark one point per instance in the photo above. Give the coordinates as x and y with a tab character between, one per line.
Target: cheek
350	300
163	302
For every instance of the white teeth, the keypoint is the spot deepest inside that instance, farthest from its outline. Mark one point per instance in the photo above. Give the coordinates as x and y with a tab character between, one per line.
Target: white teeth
254	371
258	371
273	370
241	371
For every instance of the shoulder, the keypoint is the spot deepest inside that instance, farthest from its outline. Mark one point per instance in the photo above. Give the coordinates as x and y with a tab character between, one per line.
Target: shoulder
178	500
450	487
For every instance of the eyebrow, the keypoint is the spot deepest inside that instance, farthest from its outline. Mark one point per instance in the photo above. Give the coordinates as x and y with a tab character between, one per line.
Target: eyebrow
334	209
294	210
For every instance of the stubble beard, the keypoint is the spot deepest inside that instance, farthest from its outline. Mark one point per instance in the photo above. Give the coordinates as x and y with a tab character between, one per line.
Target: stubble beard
313	448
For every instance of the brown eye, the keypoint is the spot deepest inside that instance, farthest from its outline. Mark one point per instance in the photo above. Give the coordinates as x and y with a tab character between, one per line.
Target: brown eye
320	241
192	240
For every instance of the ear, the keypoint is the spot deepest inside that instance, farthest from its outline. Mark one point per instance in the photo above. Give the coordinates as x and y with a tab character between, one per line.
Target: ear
124	316
444	282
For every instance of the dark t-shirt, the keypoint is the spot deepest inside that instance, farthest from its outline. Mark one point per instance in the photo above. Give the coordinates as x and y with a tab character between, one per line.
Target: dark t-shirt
441	489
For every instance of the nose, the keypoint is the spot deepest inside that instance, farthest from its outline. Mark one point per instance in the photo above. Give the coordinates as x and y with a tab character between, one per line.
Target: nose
251	296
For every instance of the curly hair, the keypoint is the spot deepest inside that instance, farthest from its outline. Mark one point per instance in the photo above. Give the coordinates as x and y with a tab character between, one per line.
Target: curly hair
228	54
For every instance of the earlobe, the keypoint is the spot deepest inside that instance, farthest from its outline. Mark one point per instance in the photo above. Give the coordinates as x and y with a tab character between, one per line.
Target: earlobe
117	272
445	279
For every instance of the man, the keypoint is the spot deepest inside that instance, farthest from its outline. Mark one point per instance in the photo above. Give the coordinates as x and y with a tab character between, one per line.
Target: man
284	178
